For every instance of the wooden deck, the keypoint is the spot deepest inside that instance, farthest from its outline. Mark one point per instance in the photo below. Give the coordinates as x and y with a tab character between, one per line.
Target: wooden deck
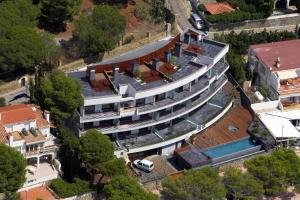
219	133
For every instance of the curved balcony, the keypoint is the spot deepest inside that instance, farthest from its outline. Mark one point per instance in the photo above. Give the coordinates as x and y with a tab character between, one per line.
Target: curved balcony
204	97
197	88
159	140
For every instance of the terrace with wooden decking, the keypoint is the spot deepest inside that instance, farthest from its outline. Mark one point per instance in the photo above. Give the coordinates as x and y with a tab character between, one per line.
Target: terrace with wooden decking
231	128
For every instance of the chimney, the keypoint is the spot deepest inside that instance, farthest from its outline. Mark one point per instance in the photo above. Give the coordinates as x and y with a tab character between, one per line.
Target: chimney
155	63
167	56
116	73
187	38
178	49
47	115
92	74
134	69
10	139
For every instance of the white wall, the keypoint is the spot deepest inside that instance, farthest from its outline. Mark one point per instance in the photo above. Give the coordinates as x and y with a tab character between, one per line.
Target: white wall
18	127
46	131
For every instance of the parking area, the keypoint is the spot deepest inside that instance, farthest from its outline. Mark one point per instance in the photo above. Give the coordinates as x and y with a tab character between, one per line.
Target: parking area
162	168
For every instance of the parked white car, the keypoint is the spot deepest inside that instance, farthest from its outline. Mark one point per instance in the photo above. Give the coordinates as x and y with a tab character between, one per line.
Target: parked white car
197	21
144	164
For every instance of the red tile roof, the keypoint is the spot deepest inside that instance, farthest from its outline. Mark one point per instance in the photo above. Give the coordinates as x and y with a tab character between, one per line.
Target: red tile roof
215	8
287	51
20	113
17	113
41	192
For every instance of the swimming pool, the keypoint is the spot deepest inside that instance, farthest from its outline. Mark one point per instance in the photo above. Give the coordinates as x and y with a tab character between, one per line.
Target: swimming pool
229	148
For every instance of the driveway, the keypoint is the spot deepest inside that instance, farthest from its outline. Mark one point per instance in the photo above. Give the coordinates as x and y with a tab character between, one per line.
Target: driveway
181	8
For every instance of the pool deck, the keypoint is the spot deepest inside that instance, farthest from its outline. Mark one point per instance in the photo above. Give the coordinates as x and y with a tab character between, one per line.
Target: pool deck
219	134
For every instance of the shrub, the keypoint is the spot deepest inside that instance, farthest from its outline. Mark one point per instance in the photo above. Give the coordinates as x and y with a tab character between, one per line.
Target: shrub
201	8
65	189
142	11
128	39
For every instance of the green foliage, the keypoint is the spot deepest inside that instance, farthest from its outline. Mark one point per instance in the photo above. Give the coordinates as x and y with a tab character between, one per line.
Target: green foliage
202	184
237	68
158	10
21	47
201	7
95	149
142	11
2	102
232	17
55	13
68	153
60	94
12	169
245	10
276	171
124	187
53	52
100	31
18	12
65	189
242	185
239	44
114	167
128	39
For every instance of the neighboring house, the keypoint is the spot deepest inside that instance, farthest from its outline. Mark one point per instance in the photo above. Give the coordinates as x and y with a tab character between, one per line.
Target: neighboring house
215	8
276	66
26	128
153	98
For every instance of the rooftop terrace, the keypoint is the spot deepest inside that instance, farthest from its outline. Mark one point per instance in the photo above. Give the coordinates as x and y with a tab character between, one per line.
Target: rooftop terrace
149	67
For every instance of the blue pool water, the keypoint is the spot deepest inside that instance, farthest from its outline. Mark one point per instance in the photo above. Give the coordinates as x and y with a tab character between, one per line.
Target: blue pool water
229	148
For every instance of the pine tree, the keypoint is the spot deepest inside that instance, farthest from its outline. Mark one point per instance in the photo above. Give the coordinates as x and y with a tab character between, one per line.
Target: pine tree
55	13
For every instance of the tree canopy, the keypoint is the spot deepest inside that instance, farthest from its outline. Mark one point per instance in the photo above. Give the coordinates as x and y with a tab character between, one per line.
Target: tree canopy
22	48
276	171
114	167
95	149
242	185
124	187
55	13
202	184
99	31
12	169
60	94
68	153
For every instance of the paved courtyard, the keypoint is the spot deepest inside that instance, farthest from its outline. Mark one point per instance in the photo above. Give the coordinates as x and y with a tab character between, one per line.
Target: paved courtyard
44	173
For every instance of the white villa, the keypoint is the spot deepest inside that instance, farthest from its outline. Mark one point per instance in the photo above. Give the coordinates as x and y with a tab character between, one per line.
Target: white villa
27	128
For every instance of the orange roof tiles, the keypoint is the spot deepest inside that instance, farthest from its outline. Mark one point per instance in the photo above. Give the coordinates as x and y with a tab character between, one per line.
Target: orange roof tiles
215	8
287	51
13	114
41	192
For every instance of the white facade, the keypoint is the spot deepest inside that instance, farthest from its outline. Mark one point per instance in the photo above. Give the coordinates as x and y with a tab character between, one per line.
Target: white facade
148	115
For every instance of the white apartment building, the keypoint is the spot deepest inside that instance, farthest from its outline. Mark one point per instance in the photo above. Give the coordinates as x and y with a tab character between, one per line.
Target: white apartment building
155	97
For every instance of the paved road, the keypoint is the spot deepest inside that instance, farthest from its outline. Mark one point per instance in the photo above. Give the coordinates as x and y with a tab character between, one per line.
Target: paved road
180	9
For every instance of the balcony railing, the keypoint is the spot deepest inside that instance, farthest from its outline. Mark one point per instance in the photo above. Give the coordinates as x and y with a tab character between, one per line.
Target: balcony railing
204	97
42	150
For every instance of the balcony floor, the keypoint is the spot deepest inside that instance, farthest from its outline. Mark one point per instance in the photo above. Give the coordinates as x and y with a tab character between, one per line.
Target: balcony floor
198	118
